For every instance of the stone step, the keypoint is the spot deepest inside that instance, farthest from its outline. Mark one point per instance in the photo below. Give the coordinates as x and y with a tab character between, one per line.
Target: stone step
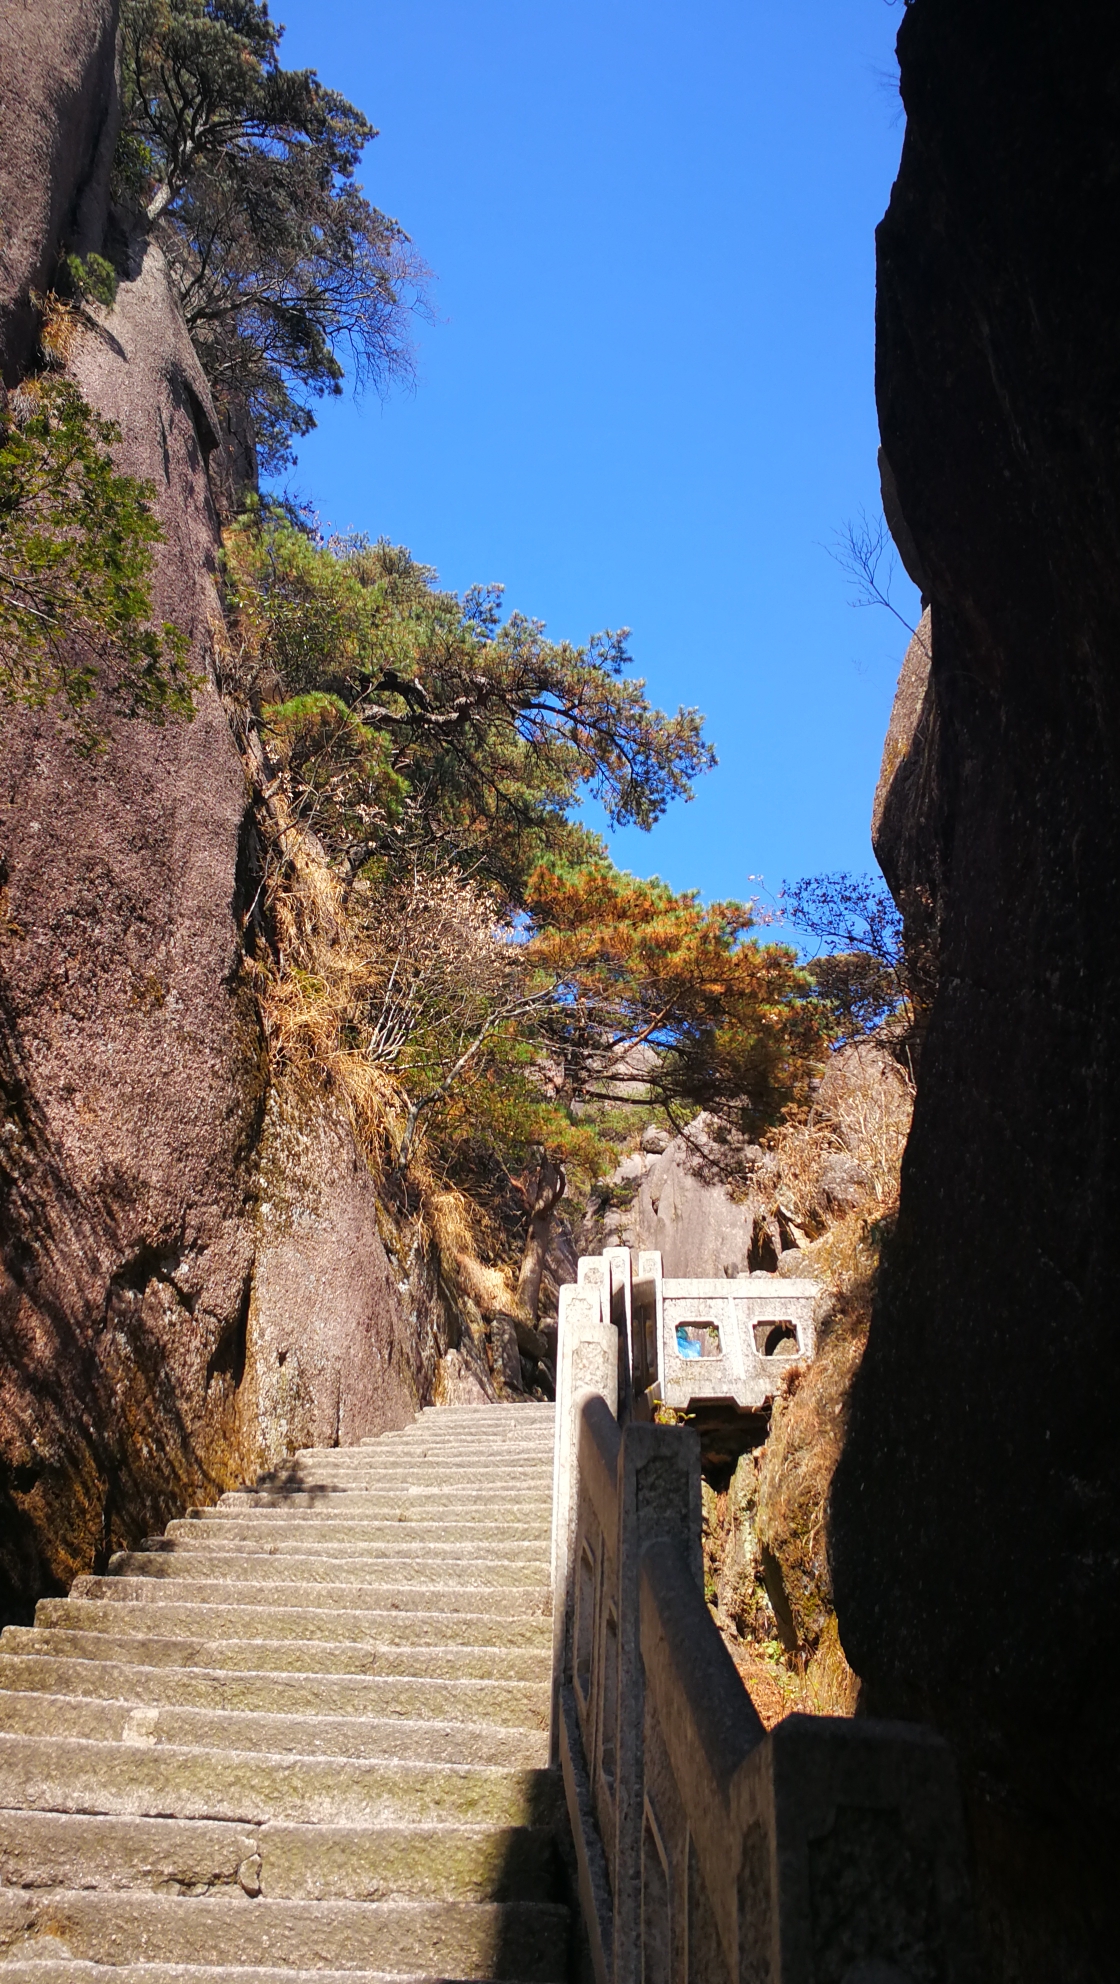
420	1563
527	1409
127	1779
531	1448
526	1941
404	1487
519	1538
451	1458
166	1615
319	1658
51	1970
508	1488
361	1737
433	1459
502	1484
396	1594
528	1440
452	1451
283	1862
358	1502
499	1477
507	1704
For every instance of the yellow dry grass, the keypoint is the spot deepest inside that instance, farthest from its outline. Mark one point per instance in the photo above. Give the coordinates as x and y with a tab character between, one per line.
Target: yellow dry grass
863	1112
311	993
60	326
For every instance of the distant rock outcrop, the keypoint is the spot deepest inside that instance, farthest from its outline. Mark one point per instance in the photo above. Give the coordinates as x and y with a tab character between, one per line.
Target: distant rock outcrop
681	1210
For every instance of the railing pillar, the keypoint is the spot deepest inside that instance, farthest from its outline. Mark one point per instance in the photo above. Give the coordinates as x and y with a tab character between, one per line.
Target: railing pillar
658	1502
586	1359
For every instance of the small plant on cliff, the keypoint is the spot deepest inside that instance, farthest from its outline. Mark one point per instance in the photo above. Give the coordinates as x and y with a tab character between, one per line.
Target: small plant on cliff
246	172
76	544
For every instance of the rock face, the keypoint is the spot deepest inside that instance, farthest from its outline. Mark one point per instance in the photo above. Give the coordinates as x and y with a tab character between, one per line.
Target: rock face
906	818
331	1354
695	1224
58	125
976	1510
160	1334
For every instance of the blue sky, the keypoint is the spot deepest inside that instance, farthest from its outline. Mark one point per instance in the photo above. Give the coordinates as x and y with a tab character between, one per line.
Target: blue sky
646	395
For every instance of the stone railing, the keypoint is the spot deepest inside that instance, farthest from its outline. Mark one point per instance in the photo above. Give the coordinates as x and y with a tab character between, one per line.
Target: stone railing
827	1852
691	1340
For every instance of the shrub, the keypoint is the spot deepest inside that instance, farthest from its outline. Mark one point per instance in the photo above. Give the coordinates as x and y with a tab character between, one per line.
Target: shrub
76	542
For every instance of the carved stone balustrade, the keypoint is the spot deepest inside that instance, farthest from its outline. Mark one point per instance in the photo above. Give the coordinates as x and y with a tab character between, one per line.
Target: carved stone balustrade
830	1851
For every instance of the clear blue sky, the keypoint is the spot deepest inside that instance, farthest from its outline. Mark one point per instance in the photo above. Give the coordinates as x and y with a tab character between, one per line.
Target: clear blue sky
646	398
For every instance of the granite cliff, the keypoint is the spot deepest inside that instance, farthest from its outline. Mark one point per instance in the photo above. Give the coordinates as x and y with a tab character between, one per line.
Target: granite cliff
976	1512
195	1276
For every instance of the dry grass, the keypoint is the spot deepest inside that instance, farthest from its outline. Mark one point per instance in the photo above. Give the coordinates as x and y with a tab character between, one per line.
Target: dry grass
60	327
313	989
801	1148
870	1100
863	1113
777	1509
460	1232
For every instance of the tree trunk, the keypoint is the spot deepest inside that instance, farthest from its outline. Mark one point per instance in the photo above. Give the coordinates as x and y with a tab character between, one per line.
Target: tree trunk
551	1184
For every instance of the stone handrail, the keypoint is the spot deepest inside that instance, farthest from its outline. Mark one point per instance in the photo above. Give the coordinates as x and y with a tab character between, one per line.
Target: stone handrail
827	1852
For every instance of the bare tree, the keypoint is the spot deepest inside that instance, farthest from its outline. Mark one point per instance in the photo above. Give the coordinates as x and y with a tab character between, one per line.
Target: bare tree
864	551
550	1188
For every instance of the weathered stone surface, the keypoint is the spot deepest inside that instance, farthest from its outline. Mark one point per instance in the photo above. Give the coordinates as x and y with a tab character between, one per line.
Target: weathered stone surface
146	1320
456	1383
907	819
58	124
842	1185
693	1223
134	1076
331	1354
507	1358
976	1509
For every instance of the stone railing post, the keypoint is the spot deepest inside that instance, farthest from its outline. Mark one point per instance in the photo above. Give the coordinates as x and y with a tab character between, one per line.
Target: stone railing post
586	1360
622	1314
658	1503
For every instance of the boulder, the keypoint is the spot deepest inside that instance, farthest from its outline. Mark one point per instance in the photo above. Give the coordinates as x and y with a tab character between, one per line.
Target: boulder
530	1342
841	1186
457	1383
332	1355
692	1220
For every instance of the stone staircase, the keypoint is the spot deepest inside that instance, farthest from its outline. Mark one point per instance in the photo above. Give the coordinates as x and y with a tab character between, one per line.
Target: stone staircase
304	1735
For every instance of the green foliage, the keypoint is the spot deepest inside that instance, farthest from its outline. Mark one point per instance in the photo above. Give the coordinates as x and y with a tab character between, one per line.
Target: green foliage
90	277
497	966
863	975
489	731
246	171
76	543
733	1024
